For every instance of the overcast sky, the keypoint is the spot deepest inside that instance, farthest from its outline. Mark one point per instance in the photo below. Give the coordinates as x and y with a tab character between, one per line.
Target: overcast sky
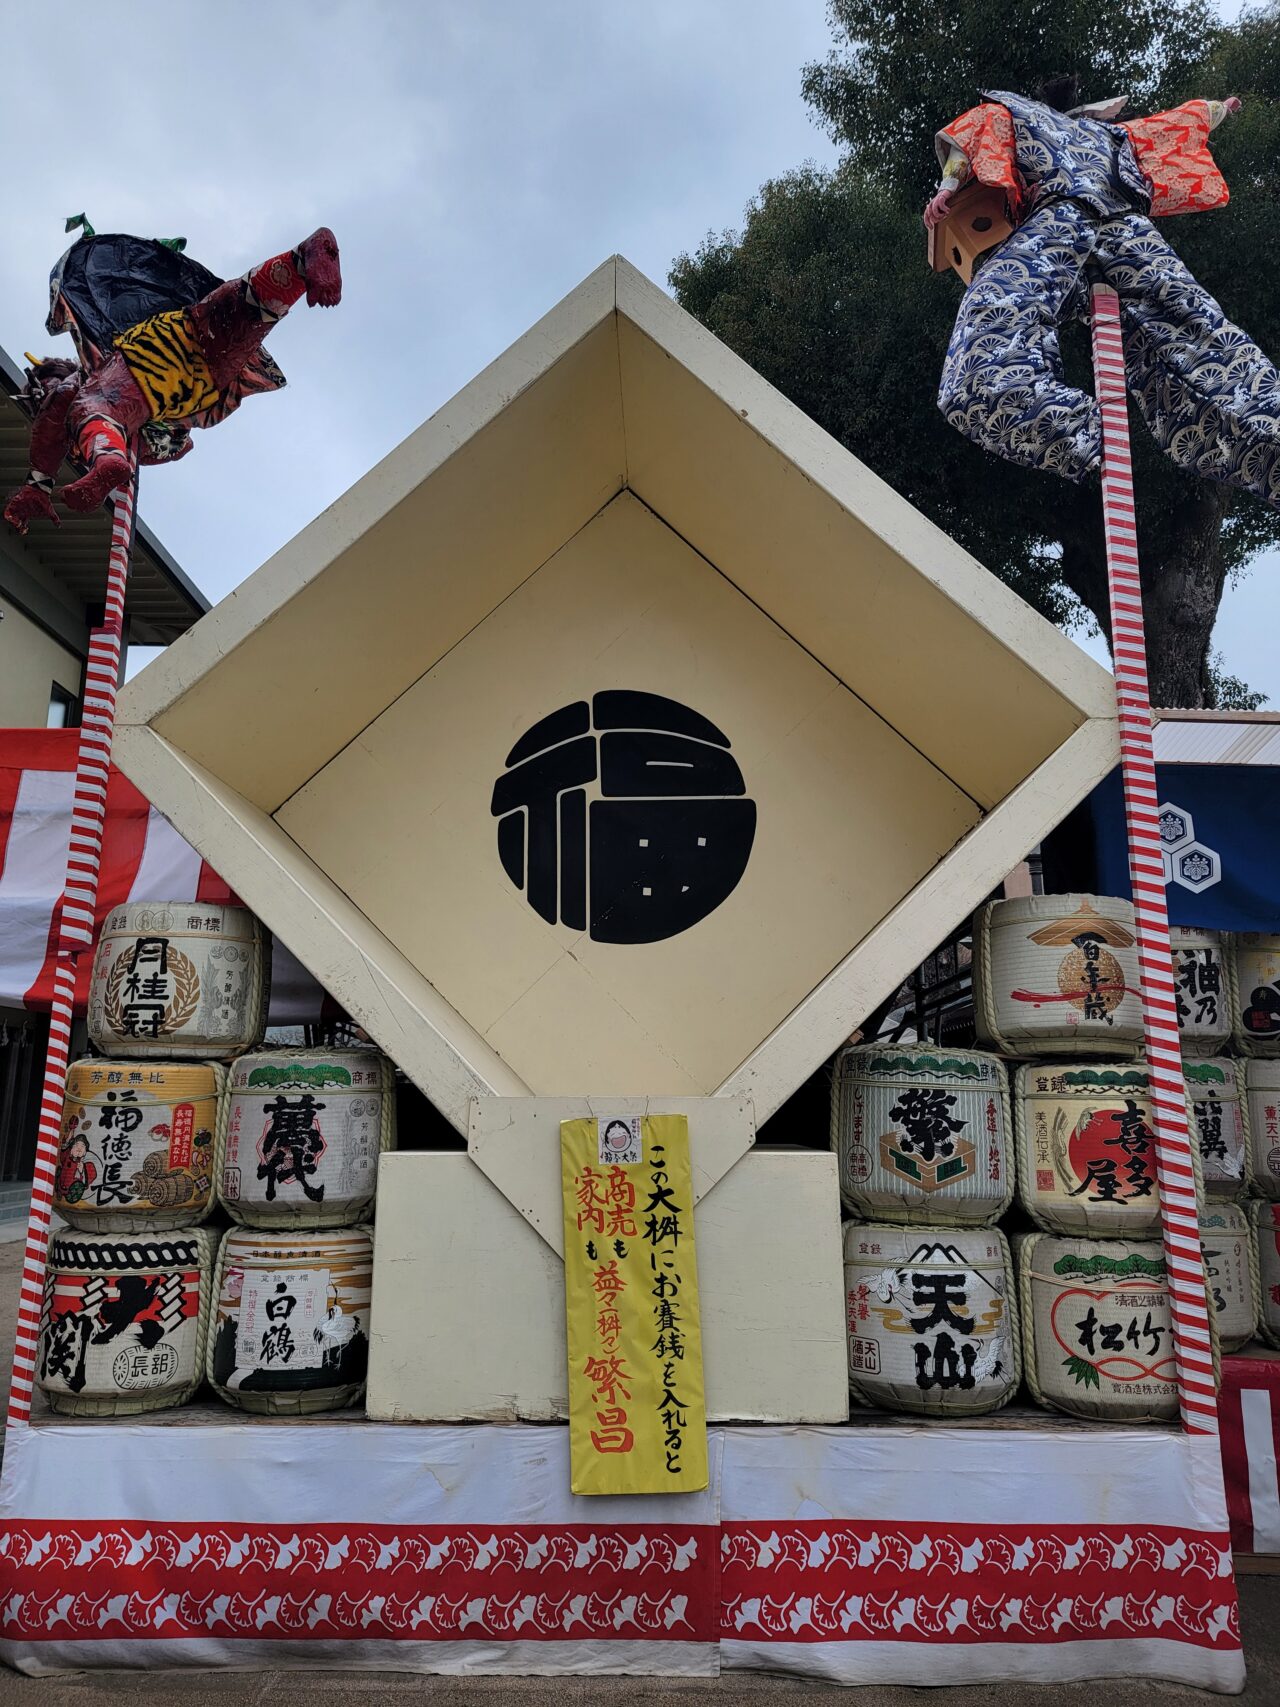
477	159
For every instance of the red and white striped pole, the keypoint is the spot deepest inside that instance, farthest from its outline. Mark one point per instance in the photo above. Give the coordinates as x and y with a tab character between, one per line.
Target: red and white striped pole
75	929
1192	1346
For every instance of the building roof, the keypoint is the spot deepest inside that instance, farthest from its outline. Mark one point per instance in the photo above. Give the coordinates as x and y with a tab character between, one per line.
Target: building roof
1217	738
163	603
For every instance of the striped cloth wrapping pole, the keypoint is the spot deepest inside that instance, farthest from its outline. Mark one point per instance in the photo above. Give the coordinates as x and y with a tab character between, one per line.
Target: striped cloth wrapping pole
1193	1348
75	932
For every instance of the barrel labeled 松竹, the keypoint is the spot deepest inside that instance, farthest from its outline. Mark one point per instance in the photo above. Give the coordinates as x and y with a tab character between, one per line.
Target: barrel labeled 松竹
922	1134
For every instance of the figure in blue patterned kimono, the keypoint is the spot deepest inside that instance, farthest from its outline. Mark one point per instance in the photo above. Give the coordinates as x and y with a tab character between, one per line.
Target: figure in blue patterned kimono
1082	190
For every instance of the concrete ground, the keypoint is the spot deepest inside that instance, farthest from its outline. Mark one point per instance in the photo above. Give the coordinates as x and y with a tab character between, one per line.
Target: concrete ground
1259	1607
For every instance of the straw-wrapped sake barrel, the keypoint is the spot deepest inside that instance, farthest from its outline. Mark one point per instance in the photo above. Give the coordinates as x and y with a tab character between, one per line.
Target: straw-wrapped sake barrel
1231	1272
179	978
1097	1333
1204	985
1256	992
1262	1102
1219	1111
290	1329
124	1321
922	1134
932	1321
1086	1153
139	1144
1057	975
1265	1227
305	1128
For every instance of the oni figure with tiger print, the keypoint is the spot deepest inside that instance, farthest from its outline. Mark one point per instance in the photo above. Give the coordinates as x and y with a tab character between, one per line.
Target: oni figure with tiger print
1059	195
164	345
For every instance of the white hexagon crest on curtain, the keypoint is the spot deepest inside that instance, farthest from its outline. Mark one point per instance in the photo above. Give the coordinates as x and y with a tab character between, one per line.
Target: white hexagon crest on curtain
1176	828
1187	861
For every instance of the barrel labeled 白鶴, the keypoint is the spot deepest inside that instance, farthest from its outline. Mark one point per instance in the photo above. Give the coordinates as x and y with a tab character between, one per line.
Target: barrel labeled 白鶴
1057	975
174	979
304	1131
290	1325
123	1325
931	1317
922	1134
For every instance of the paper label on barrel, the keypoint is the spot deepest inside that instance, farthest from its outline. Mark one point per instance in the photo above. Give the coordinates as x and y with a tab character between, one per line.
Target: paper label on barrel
281	1317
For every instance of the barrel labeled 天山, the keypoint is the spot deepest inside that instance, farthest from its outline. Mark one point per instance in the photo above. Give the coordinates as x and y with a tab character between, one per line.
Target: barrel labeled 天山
290	1329
1057	975
1085	1148
1097	1333
1257	992
922	1133
305	1128
931	1317
1265	1226
1231	1272
175	979
1219	1112
1204	989
1262	1102
123	1326
138	1146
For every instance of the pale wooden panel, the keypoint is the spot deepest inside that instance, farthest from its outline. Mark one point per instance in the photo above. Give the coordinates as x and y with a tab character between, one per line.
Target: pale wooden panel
849	816
472	1328
419	575
957	663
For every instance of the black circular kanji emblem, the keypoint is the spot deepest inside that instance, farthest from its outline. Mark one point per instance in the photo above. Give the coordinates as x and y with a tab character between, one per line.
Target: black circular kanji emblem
624	817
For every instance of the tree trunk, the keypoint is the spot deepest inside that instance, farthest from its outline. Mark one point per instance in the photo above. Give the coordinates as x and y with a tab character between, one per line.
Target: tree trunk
1180	596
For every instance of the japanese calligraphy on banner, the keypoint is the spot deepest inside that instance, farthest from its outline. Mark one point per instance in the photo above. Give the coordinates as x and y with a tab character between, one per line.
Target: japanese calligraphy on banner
637	1412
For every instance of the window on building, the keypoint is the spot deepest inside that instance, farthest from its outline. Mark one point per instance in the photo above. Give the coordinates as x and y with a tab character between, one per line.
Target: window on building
64	708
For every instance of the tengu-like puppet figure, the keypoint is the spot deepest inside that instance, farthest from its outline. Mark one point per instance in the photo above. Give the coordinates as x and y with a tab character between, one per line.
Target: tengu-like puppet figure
1082	190
164	346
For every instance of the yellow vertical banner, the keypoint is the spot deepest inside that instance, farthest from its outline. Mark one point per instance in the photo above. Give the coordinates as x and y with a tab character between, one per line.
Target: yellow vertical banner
637	1411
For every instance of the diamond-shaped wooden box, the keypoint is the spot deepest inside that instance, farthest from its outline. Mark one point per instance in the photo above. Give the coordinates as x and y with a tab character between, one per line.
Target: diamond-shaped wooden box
620	733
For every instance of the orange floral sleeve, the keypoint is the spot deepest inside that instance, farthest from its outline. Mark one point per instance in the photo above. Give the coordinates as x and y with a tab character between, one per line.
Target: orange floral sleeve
1173	150
984	135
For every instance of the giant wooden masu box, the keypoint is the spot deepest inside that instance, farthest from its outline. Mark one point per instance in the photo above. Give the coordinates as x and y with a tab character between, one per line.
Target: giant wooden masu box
617	507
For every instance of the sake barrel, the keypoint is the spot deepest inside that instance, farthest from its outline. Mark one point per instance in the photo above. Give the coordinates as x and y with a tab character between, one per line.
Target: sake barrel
305	1128
1085	1149
1256	992
1230	1269
1218	1107
1204	985
922	1134
1097	1333
178	978
290	1332
1057	975
1265	1226
138	1145
932	1319
1262	1101
124	1320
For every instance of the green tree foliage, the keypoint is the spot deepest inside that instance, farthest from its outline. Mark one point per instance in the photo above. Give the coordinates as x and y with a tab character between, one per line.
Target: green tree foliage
826	292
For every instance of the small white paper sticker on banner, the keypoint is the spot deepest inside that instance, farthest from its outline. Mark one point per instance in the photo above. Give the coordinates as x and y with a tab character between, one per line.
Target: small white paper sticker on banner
621	1141
280	1312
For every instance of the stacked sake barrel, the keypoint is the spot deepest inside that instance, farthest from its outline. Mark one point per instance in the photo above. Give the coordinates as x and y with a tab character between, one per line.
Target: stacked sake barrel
304	1131
922	1137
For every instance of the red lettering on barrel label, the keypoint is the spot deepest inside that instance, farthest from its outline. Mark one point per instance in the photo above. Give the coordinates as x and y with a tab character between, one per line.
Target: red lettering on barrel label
184	1125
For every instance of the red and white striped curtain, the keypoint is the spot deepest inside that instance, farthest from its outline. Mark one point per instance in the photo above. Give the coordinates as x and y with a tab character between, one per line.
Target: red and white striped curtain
143	859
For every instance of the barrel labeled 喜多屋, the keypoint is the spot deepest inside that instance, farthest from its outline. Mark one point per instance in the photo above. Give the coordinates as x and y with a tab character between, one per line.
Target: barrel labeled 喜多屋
1057	975
123	1326
1097	1330
922	1134
1231	1272
304	1131
932	1323
1219	1111
1256	992
1204	989
289	1333
138	1145
174	979
1085	1148
1264	1221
